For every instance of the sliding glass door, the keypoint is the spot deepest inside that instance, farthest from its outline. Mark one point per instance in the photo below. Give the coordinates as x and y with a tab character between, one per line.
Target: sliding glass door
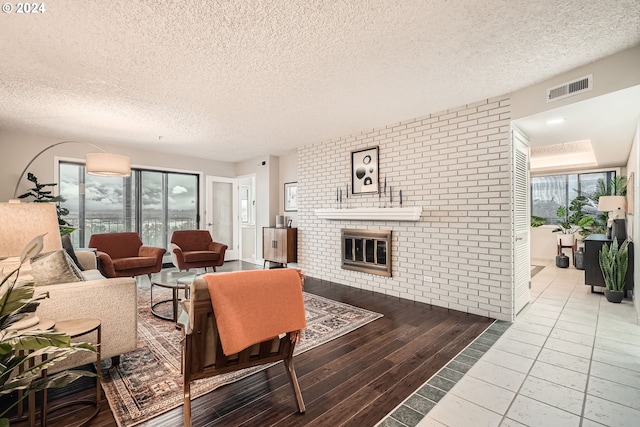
152	203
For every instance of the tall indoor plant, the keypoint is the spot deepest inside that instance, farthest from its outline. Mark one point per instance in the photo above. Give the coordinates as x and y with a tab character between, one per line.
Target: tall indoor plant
572	221
614	261
20	348
41	194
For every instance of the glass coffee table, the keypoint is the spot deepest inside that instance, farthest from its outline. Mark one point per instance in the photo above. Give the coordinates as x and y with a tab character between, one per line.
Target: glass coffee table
176	281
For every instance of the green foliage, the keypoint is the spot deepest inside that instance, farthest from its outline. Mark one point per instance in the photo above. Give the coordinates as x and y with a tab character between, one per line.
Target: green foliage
19	349
537	221
617	187
40	194
575	220
614	261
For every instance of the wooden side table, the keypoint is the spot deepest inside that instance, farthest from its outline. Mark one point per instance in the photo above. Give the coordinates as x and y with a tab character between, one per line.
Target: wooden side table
76	328
573	248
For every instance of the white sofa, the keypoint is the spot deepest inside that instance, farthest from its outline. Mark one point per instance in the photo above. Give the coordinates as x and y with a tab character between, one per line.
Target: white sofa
113	301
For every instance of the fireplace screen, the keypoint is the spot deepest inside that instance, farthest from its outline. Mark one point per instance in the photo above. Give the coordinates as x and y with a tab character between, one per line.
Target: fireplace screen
368	251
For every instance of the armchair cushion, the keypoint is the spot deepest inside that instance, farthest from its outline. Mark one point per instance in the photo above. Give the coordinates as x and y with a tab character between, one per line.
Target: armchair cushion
192	240
195	256
117	245
133	262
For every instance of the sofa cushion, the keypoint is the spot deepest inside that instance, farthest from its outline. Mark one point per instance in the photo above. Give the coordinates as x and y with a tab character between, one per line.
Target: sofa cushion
195	256
92	275
133	262
68	246
54	267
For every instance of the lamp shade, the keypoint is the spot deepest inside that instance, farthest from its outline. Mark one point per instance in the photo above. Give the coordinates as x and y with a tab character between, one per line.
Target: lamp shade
612	203
21	222
108	164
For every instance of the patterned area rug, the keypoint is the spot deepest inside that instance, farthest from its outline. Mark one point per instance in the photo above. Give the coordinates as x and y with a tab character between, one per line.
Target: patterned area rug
148	381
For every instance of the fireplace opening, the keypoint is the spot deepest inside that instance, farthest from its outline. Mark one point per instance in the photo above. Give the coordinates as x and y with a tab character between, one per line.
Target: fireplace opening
367	251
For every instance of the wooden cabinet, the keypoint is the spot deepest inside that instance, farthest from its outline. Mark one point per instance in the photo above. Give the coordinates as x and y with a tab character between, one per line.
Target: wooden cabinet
279	245
592	273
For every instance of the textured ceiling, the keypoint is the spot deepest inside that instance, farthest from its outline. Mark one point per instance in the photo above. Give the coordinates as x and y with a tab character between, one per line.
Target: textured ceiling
232	80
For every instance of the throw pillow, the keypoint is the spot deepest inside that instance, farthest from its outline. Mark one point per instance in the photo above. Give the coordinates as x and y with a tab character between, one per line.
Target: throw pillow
54	267
68	246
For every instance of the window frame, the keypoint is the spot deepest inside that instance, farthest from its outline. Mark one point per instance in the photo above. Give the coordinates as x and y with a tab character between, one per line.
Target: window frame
551	221
138	169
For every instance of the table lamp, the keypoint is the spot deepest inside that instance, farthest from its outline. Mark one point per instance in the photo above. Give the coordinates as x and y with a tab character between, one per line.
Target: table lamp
615	206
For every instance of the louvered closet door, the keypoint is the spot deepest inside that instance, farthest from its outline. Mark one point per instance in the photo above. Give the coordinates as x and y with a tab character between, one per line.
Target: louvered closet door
521	220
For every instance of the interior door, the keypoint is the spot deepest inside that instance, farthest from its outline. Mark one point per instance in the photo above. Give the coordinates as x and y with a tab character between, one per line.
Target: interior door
222	213
521	221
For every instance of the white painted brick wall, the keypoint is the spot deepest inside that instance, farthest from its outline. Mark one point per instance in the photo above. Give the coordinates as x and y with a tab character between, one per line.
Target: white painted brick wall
456	165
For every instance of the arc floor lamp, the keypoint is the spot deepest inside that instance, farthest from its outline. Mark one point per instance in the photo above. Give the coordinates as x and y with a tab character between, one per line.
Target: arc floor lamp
102	163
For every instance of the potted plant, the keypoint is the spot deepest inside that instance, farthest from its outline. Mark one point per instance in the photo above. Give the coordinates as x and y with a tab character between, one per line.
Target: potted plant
41	194
572	221
21	350
614	261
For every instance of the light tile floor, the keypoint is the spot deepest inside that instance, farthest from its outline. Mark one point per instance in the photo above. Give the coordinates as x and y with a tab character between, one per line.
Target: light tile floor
572	359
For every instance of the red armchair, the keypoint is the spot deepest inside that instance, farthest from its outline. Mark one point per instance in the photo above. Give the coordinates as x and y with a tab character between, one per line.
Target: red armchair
123	255
196	249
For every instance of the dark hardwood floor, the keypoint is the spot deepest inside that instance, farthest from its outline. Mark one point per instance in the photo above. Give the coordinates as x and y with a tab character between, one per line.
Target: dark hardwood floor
354	380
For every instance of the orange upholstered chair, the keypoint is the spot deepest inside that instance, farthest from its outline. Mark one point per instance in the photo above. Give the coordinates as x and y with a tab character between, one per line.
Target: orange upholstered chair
124	255
209	337
196	249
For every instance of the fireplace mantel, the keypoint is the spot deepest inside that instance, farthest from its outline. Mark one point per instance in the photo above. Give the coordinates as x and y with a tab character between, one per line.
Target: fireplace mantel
372	214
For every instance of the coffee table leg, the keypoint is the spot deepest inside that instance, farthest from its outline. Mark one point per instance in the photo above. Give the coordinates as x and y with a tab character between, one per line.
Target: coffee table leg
175	304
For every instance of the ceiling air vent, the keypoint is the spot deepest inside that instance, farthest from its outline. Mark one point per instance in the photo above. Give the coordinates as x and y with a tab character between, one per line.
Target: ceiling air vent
574	87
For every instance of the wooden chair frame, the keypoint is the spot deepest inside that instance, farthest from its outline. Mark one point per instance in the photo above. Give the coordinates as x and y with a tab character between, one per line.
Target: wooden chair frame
194	347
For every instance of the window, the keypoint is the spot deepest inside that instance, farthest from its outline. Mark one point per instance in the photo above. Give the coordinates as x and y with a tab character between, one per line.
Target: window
245	204
550	192
152	203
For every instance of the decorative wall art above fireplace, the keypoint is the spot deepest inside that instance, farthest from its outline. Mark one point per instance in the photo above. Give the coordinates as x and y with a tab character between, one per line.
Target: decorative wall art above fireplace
365	171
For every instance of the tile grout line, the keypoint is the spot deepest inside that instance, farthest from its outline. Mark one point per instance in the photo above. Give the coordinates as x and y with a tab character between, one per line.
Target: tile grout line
403	403
517	393
593	349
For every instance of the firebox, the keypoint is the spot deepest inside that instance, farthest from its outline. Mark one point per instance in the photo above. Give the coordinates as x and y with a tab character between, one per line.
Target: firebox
367	251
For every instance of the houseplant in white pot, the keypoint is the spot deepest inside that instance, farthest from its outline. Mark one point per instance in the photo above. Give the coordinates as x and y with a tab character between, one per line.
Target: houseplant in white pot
572	221
614	261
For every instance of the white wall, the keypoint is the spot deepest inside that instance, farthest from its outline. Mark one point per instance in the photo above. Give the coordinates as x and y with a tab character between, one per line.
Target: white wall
266	172
456	165
610	74
288	173
633	220
544	245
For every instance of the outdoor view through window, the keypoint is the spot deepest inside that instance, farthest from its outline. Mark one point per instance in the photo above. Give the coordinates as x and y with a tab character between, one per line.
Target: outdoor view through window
153	203
550	192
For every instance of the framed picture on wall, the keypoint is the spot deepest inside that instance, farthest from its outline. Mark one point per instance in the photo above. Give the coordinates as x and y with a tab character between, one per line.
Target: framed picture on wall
291	197
364	171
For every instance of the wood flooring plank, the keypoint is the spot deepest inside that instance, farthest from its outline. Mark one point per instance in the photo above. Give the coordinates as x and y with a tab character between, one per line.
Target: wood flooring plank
354	380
